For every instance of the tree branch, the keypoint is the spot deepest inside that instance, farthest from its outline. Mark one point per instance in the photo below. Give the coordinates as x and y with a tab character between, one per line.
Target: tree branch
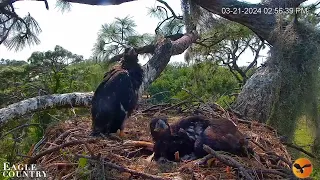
170	9
255	57
228	161
44	102
33	159
262	24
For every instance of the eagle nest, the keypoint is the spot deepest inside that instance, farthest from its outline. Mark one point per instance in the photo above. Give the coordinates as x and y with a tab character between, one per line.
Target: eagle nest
70	153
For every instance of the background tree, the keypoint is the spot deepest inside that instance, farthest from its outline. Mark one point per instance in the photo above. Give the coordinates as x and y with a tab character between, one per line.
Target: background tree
225	43
113	38
49	68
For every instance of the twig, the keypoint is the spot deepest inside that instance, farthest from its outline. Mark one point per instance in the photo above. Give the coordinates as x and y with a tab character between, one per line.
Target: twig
268	171
19	127
228	161
36	157
299	149
259	145
154	106
170	9
260	124
175	105
279	157
199	99
63	135
121	168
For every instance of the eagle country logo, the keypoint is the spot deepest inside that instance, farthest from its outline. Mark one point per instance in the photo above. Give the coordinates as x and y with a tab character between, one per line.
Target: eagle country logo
302	168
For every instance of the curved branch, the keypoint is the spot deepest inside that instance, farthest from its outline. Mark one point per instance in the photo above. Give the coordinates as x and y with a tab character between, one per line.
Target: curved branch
151	47
170	9
262	24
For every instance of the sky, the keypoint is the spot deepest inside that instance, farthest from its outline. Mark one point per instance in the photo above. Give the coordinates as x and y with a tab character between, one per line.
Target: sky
77	29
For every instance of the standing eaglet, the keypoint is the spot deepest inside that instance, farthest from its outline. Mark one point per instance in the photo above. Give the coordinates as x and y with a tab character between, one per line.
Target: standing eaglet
117	95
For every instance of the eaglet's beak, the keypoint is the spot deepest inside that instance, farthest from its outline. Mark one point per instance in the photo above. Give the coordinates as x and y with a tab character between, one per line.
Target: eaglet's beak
161	126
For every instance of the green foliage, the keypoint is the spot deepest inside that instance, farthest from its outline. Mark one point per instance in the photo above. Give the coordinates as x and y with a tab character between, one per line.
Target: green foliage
209	82
114	37
82	162
18	32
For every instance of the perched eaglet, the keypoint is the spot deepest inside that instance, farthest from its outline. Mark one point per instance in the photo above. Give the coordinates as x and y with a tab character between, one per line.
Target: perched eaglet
117	95
188	136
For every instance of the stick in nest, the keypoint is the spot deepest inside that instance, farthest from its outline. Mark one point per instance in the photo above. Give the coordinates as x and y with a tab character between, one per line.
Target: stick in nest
175	105
140	144
36	157
121	168
228	161
209	108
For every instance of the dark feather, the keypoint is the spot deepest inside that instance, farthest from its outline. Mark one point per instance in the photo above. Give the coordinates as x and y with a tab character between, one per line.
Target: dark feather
117	95
167	147
223	135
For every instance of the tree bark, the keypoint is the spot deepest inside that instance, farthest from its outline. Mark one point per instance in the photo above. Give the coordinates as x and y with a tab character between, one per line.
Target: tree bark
259	94
163	51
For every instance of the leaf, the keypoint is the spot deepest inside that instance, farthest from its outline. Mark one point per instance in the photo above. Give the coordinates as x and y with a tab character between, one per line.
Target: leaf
82	162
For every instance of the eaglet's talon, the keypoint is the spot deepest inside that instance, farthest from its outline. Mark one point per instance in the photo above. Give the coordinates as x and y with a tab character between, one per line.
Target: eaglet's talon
115	136
210	162
177	156
121	134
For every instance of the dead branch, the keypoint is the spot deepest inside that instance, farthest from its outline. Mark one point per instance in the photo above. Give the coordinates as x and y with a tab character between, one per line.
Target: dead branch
154	106
50	150
121	168
199	99
279	157
175	105
228	161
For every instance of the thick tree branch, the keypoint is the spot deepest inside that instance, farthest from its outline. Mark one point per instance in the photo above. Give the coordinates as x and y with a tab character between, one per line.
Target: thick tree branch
262	24
44	102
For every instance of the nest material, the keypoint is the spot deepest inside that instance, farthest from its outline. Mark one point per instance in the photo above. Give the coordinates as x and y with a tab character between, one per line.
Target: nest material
68	144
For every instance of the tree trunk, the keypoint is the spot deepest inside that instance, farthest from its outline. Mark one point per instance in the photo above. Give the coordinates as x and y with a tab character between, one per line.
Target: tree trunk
152	69
259	94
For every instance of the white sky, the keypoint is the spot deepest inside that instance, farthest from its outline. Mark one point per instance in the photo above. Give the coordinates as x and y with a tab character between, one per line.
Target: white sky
77	29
